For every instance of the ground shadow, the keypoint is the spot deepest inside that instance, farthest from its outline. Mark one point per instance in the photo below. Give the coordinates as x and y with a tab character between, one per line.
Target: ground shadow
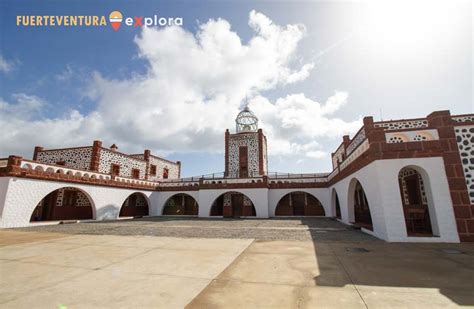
370	262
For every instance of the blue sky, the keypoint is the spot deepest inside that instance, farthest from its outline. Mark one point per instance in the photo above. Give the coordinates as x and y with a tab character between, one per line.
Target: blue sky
395	61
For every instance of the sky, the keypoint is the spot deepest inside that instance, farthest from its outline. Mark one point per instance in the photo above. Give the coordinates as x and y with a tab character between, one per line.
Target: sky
310	71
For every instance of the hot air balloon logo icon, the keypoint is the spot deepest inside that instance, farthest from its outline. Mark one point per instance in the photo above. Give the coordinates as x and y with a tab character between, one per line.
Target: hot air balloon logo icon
115	19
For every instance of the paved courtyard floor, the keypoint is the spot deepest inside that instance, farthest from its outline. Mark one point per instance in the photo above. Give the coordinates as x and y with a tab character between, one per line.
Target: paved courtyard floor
197	263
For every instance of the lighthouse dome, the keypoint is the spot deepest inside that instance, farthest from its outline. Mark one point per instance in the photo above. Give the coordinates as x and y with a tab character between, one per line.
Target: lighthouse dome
246	121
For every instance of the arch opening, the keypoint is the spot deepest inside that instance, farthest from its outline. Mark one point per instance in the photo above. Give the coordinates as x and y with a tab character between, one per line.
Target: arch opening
336	204
135	205
233	205
181	204
415	203
66	203
362	216
299	203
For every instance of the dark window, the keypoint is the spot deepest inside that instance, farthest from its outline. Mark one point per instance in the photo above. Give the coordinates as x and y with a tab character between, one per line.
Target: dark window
152	170
135	173
115	169
61	163
165	173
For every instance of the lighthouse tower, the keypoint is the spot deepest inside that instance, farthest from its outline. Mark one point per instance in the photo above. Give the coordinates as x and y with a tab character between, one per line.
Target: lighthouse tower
246	149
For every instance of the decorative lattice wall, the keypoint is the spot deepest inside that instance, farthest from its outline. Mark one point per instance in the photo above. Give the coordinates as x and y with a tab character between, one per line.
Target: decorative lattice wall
465	141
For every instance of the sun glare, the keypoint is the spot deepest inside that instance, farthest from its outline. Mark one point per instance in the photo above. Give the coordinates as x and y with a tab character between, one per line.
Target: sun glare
407	24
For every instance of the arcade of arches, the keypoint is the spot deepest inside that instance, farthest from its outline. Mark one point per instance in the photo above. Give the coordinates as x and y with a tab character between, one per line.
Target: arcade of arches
233	204
70	203
299	204
181	204
63	204
136	205
415	204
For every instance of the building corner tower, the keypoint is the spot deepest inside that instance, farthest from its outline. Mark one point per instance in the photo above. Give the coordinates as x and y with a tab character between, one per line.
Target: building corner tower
246	149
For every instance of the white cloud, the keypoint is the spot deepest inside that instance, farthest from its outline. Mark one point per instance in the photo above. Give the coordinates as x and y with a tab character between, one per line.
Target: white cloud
66	75
7	66
293	123
192	91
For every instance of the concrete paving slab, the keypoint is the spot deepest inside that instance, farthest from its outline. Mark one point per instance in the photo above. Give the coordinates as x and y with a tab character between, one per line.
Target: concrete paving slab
330	297
236	294
91	257
208	244
11	237
140	241
283	273
382	297
19	279
29	250
290	247
184	263
300	270
88	239
109	289
425	272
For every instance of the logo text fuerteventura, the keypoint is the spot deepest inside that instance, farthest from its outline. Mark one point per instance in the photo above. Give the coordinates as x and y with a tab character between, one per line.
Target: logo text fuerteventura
115	20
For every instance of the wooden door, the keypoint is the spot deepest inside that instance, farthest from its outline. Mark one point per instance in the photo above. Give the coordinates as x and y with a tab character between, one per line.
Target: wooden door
298	201
243	162
48	206
237	204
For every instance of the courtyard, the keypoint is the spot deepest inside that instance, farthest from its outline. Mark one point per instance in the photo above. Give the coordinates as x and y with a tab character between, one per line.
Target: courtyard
226	263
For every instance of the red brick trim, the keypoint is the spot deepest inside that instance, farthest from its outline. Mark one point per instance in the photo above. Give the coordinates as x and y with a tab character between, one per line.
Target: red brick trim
67	148
400	120
180	188
123	154
179	168
260	152
95	156
463	210
135	155
32	174
253	185
146	157
227	136
37	150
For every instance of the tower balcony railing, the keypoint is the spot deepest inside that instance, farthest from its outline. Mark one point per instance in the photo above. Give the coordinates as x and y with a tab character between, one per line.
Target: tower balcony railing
279	175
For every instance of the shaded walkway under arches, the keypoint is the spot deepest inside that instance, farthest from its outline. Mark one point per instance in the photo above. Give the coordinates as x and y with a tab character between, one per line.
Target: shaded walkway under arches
66	203
181	204
362	215
135	205
299	203
233	204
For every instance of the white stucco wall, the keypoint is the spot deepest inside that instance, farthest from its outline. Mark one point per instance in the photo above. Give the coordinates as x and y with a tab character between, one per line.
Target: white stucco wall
4	181
24	194
380	182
